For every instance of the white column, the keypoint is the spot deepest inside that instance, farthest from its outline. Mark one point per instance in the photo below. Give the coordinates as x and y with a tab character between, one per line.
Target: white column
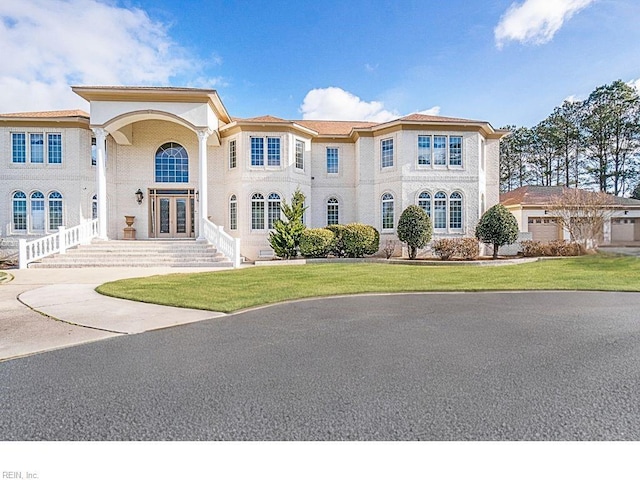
101	181
203	135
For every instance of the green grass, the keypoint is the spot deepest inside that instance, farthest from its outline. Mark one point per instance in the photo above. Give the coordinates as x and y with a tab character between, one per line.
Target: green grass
232	290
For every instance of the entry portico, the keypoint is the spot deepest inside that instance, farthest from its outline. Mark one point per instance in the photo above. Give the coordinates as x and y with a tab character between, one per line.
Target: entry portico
126	115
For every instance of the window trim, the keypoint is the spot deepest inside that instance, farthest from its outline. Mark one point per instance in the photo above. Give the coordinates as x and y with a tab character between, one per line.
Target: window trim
337	160
333	203
233	212
430	161
299	154
386	199
23	212
387	156
263	158
178	173
233	154
257	200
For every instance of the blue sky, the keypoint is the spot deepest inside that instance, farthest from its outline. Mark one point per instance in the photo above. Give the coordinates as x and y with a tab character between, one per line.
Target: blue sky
501	61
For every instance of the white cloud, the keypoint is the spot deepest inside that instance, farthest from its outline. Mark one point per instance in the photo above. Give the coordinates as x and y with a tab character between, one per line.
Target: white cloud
536	21
51	44
435	111
334	103
635	84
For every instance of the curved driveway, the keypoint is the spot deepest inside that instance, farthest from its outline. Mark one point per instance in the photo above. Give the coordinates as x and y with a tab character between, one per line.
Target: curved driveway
485	366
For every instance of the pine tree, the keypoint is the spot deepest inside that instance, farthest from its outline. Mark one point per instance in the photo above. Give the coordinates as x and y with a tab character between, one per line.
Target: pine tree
286	237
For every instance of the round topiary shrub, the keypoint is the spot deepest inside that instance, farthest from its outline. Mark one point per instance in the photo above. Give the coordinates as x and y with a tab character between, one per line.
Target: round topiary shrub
316	242
497	226
360	240
414	228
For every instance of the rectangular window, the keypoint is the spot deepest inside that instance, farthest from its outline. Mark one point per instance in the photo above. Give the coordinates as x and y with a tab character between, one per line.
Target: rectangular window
94	152
54	148
455	214
455	151
36	143
232	154
273	152
299	154
424	150
257	151
332	160
55	213
257	215
386	149
18	148
439	150
440	213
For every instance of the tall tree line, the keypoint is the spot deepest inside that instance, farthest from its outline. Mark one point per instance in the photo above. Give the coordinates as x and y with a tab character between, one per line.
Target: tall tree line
593	144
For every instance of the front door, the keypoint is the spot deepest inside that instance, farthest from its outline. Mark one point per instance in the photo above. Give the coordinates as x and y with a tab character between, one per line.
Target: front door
172	213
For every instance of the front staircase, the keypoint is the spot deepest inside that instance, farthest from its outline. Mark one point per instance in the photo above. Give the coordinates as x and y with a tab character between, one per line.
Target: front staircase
137	253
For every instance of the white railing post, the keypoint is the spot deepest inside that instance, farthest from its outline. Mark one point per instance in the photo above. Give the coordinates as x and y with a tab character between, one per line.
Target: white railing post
62	240
22	254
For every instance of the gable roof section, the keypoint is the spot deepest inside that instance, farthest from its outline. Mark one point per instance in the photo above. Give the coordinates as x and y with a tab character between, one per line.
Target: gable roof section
533	195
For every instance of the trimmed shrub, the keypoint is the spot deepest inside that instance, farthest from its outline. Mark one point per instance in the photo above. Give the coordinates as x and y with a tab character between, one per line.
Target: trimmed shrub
467	248
414	228
360	240
556	248
389	248
444	248
337	248
497	226
316	242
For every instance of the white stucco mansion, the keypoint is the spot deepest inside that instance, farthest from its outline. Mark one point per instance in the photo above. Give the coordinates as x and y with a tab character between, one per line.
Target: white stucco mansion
176	160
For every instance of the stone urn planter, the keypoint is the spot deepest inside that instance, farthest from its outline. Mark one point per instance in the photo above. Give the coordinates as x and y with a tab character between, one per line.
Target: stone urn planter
129	231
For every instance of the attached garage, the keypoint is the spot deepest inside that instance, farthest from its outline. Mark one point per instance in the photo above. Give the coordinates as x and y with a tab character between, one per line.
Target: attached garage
544	229
624	230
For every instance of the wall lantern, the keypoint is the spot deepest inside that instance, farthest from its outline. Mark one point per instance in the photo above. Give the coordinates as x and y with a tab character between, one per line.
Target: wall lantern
626	212
546	212
139	196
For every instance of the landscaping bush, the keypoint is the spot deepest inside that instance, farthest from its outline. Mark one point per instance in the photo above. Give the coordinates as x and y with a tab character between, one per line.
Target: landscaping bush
444	248
556	248
360	240
285	238
414	228
337	248
497	226
465	248
316	242
389	248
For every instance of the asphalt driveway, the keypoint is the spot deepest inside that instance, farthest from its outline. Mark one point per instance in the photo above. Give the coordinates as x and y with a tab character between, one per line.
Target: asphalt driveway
485	366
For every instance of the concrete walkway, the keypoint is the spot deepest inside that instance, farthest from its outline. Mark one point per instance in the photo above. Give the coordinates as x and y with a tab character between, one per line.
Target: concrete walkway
44	309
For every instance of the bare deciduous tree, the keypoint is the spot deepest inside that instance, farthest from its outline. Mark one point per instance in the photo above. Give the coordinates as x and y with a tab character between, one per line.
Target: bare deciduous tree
583	214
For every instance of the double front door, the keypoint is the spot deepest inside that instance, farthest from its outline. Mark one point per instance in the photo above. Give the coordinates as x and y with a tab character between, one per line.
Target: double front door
172	213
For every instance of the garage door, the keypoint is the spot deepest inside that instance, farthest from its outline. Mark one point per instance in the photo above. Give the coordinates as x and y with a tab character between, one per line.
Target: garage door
622	230
544	229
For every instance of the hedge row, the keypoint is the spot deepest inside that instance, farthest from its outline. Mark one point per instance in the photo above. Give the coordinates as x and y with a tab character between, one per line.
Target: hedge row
352	240
556	248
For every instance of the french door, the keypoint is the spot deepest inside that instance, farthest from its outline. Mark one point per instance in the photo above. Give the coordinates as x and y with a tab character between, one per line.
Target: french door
172	213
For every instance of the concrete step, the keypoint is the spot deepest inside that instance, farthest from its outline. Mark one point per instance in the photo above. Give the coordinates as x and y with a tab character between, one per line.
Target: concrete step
118	253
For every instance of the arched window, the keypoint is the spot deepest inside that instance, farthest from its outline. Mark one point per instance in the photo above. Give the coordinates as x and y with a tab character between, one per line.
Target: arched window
19	207
233	213
387	211
37	212
424	202
55	210
333	211
257	212
94	207
455	211
440	210
172	164
273	209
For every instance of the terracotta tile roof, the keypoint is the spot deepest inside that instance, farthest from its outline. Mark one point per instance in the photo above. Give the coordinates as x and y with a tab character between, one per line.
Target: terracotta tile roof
50	114
419	117
329	127
536	195
263	119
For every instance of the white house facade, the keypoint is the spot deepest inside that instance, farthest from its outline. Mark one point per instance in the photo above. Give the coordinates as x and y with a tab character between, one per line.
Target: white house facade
175	159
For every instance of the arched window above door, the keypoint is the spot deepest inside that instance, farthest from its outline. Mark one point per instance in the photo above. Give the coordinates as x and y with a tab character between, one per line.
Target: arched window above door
172	164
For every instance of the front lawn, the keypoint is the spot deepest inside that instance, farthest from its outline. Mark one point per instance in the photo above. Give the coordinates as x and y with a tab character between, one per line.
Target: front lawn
231	290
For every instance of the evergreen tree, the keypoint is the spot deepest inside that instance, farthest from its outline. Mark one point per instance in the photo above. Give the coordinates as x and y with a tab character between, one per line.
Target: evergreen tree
414	228
286	237
497	226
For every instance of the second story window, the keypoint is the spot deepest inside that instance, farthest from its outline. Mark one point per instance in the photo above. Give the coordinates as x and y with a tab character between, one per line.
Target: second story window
258	151
36	144
386	153
299	154
18	148
54	148
440	150
232	154
332	160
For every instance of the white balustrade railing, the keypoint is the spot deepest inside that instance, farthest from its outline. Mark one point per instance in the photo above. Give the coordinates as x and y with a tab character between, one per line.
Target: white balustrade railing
30	251
224	242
